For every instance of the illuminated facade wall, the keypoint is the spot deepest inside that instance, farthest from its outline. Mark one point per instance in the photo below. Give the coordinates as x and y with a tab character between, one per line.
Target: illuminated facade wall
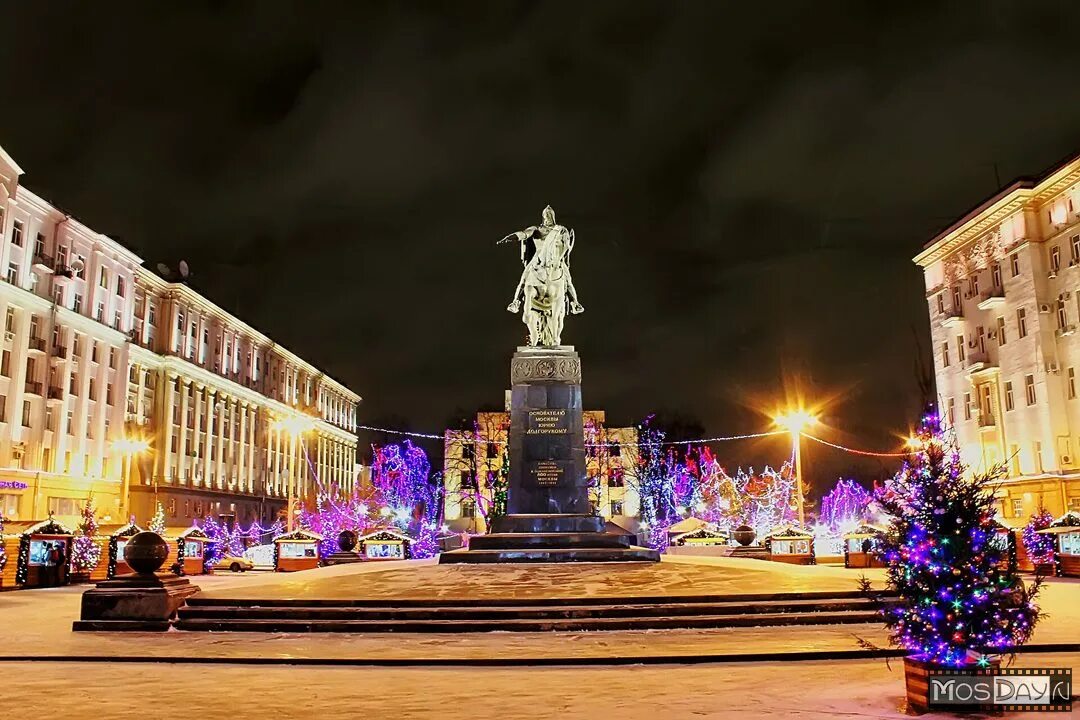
471	458
1003	292
98	348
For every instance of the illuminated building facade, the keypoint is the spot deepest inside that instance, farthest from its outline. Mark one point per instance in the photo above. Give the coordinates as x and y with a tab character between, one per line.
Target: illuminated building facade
100	355
473	460
1003	292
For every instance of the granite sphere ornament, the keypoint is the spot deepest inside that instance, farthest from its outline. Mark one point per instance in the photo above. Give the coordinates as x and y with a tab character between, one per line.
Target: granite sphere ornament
146	552
346	540
744	535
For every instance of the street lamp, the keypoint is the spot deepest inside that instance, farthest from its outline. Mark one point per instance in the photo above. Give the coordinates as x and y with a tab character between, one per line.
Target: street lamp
294	426
128	449
795	421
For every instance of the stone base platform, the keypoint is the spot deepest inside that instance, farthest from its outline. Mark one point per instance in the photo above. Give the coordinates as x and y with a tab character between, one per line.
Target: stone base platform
556	538
138	602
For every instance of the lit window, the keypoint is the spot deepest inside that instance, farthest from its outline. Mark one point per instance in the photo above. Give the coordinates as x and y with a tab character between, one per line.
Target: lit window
1008	396
967	406
104	280
17	234
1055	258
941	303
1014	264
1029	389
1021	322
995	274
1001	331
960	349
945	353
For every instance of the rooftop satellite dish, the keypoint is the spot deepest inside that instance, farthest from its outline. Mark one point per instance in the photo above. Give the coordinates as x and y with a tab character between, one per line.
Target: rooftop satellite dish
185	270
164	270
77	264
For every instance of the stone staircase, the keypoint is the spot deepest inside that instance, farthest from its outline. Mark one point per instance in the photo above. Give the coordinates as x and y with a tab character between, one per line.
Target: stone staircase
525	615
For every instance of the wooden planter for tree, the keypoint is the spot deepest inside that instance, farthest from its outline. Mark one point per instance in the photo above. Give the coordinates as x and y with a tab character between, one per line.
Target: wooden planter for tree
917	681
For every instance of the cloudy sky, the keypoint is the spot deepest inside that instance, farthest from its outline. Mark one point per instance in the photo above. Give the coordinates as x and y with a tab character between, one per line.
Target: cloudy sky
747	183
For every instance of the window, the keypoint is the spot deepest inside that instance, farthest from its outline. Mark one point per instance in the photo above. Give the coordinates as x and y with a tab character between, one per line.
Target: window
9	324
1008	396
9	506
995	275
1075	244
1014	264
1062	315
120	286
1021	322
64	506
104	280
1055	258
26	413
118	319
467	451
1029	389
39	245
973	285
77	305
62	256
13	273
957	302
960	349
94	346
468	480
50	424
945	353
1072	383
1001	331
73	388
492	450
3	408
967	406
616	507
950	411
100	314
70	429
76	343
17	234
941	303
81	272
151	316
5	364
1018	507
93	389
468	508
109	395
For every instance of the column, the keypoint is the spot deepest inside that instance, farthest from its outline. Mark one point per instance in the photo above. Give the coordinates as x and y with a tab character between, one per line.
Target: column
208	434
181	445
250	416
240	459
165	426
220	464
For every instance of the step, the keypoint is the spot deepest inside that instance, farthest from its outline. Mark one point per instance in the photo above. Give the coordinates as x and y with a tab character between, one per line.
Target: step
548	541
548	523
451	612
518	625
475	602
630	554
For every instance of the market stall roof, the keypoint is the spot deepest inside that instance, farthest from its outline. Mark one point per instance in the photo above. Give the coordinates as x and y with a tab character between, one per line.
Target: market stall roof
385	531
864	530
36	527
686	525
125	529
193	532
789	532
299	535
705	531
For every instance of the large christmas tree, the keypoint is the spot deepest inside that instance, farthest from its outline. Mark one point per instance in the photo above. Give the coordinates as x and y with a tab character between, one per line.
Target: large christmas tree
958	600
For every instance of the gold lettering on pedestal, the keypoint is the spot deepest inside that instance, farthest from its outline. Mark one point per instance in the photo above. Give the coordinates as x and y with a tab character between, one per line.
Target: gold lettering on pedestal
547	422
547	472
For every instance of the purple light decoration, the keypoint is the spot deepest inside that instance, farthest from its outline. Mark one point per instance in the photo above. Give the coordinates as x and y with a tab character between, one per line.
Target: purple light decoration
12	485
846	504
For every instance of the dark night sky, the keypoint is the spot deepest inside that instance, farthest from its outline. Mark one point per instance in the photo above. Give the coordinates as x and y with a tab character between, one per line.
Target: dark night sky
748	183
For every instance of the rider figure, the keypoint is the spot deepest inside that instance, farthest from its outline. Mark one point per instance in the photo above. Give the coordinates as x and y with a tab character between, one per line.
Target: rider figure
548	231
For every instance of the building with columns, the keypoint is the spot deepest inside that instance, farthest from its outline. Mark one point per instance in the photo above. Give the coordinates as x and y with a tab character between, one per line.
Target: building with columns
102	357
473	460
1003	294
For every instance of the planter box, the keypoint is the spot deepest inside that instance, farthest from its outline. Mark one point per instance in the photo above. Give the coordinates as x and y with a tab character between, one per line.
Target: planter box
917	682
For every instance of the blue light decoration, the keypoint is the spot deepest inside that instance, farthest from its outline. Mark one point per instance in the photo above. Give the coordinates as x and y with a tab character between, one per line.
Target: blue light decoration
1040	548
845	506
3	553
958	600
656	485
402	477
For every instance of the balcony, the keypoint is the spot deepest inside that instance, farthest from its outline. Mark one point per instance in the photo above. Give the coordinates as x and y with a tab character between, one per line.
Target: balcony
951	317
59	351
44	262
978	361
62	274
992	298
987	420
1065	331
37	344
56	393
33	388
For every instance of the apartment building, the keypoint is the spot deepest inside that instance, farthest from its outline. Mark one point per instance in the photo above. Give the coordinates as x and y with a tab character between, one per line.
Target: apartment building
1003	294
117	382
473	459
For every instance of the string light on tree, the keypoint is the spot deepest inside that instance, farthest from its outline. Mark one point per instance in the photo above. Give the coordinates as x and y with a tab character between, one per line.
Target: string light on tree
85	552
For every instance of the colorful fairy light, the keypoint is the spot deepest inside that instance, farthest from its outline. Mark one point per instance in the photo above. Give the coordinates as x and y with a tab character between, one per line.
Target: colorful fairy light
85	551
3	553
157	523
1039	547
958	595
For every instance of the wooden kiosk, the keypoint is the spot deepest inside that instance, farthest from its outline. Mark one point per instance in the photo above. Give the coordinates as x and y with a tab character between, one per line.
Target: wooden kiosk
191	550
1004	538
385	545
861	547
34	564
1066	532
298	550
118	540
792	545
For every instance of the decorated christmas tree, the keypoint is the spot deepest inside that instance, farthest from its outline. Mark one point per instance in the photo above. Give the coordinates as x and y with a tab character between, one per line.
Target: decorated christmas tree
957	605
1040	548
3	554
157	523
85	552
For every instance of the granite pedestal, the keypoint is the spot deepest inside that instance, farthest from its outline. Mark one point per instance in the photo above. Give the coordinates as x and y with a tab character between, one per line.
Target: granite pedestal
139	601
548	516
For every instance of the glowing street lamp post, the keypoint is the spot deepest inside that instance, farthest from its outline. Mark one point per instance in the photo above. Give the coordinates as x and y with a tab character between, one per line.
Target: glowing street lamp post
128	448
795	421
294	427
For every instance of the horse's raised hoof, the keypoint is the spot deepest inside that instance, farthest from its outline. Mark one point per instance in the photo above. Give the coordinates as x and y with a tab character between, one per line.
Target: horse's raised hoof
514	307
576	308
